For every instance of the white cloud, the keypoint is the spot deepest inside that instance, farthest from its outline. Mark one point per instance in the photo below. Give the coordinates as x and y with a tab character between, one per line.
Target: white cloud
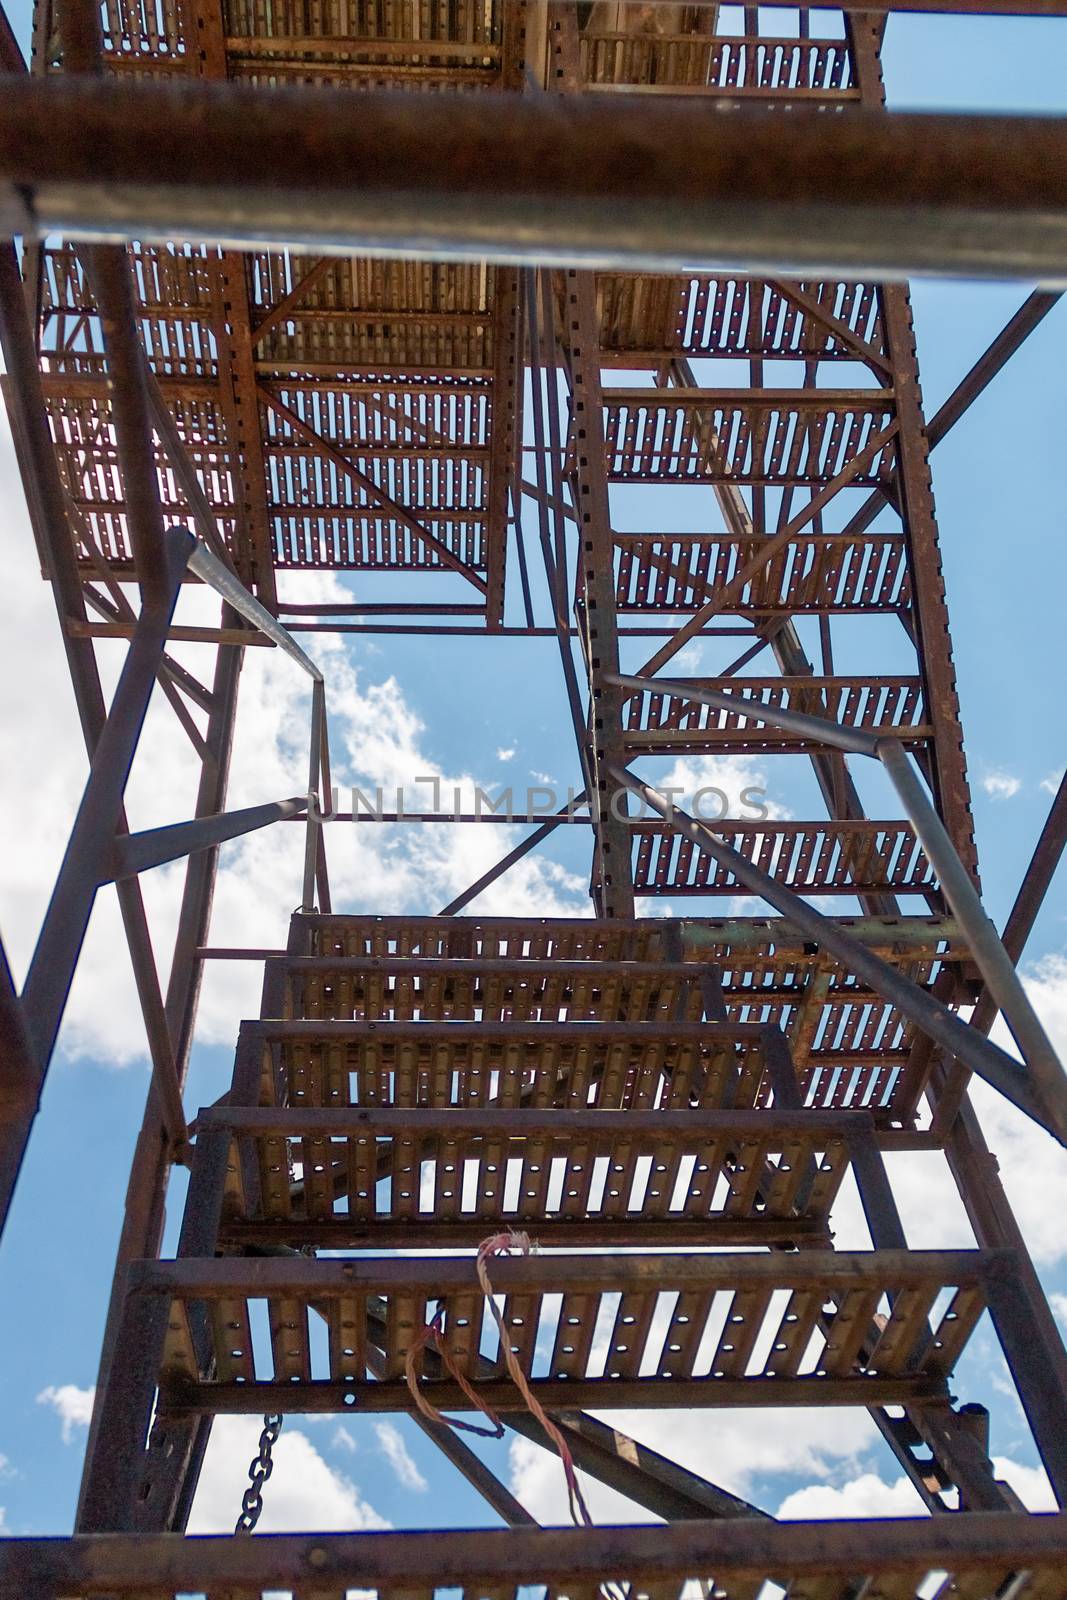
73	1406
1030	1483
868	1495
1058	1302
1051	783
688	659
505	755
1000	785
304	1493
865	1496
741	779
392	1445
731	1448
343	1440
536	1479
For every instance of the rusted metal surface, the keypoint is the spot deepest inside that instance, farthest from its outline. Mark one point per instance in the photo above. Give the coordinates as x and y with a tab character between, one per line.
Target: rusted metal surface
704	1084
851	194
984	1550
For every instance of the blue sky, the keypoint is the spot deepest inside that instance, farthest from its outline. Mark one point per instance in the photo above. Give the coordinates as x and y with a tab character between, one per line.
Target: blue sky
998	483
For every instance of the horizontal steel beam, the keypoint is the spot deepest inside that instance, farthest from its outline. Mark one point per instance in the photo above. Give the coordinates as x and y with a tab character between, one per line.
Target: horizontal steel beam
389	1396
298	1278
468	1558
572	179
385	1233
376	1033
765	1124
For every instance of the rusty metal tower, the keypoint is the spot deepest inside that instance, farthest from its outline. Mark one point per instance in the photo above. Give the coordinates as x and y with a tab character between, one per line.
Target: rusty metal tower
347	287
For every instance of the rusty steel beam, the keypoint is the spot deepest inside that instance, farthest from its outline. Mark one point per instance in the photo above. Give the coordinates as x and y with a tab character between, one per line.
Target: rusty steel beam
21	1082
935	1019
993	1544
575	180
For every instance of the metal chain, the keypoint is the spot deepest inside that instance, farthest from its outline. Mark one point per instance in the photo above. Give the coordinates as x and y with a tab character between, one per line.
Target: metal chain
260	1470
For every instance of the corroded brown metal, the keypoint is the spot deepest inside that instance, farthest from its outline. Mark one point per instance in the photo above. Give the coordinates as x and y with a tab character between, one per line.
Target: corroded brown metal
707	1083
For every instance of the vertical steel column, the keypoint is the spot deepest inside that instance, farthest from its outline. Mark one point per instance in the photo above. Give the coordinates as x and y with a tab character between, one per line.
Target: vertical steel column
613	882
973	1167
21	1082
916	497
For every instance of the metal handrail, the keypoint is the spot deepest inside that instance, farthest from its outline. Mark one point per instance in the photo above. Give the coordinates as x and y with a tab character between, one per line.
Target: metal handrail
225	583
1048	1079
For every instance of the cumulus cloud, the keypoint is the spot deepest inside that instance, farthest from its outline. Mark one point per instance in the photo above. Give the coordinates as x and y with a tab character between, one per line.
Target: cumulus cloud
1030	1483
734	1449
999	785
505	755
392	1445
73	1406
1051	783
304	1495
740	779
865	1496
868	1495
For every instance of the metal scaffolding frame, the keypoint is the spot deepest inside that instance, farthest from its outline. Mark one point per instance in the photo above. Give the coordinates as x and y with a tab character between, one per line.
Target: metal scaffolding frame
330	372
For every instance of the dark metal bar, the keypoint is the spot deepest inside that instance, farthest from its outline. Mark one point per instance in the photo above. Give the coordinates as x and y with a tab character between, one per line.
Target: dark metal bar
769	1123
995	1065
21	1081
555	574
1034	309
213	572
44	490
1044	1401
575	181
991	1542
313	803
500	867
956	883
184	471
477	1474
140	852
854	740
993	960
86	861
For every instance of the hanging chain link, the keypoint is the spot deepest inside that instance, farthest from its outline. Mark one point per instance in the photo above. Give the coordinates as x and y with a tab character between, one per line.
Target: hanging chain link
260	1470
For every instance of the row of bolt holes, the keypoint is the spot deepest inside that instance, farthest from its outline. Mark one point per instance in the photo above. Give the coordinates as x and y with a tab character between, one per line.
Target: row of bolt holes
737	1171
620	1349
